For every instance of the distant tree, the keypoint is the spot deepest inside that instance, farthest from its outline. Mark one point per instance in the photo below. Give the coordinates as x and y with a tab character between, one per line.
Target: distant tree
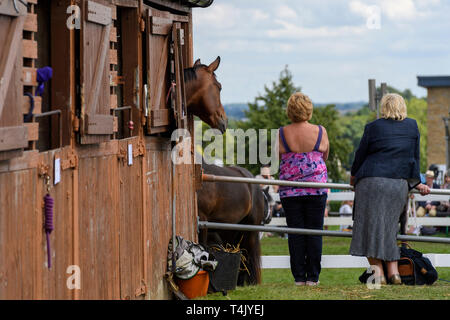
352	126
268	111
340	146
417	109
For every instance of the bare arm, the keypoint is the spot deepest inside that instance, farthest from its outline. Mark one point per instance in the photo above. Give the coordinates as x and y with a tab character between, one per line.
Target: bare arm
327	151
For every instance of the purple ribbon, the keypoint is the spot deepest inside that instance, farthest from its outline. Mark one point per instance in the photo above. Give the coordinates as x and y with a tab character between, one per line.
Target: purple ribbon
43	75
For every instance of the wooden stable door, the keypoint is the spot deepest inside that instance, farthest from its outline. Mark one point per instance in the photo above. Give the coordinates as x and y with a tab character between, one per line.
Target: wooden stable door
97	123
13	133
165	99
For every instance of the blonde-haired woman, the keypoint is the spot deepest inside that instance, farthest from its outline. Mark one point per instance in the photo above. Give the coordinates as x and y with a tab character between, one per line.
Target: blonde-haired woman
304	149
385	168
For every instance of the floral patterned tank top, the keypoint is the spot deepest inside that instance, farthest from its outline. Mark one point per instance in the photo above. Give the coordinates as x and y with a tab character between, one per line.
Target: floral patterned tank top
302	167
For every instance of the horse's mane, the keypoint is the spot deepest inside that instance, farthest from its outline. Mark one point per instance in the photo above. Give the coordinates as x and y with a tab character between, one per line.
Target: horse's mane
190	74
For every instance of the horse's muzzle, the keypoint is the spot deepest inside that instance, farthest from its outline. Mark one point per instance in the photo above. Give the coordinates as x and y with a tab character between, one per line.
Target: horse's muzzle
222	125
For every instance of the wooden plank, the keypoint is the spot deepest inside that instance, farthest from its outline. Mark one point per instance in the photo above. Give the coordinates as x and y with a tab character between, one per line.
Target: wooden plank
113	101
145	218
11	154
115	124
160	117
29	49
61	241
98	227
180	18
99	68
99	124
8	57
160	26
159	204
27	160
13	138
75	227
126	3
170	5
31	23
113	56
20	231
98	13
113	34
131	236
95	73
33	130
7	8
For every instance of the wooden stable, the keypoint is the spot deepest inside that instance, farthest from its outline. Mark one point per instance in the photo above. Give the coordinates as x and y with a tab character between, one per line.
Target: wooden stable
105	118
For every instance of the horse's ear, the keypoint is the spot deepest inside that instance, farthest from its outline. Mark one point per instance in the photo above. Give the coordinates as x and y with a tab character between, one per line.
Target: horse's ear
197	63
213	66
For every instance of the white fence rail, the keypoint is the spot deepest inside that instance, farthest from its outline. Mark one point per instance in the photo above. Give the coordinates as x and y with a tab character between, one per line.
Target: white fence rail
347	221
344	261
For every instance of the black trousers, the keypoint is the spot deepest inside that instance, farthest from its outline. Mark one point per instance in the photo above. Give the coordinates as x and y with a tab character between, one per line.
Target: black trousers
305	251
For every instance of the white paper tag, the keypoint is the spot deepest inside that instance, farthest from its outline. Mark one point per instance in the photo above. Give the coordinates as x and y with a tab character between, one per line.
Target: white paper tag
57	177
130	154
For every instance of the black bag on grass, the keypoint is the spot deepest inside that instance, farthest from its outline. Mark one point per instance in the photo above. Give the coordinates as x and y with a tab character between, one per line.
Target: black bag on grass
414	268
423	270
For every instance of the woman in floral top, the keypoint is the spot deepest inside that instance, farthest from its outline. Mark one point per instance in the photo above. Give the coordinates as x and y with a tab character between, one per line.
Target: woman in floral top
304	148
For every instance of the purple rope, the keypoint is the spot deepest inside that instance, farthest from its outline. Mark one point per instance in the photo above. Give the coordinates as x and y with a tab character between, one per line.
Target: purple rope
48	224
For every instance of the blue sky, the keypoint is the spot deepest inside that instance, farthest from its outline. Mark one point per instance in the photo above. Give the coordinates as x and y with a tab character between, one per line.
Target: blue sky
332	47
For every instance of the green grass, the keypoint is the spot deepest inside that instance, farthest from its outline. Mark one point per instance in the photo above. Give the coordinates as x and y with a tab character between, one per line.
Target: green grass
335	284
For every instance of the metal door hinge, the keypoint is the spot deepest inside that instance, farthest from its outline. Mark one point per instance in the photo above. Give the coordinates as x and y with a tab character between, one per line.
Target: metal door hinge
142	290
70	162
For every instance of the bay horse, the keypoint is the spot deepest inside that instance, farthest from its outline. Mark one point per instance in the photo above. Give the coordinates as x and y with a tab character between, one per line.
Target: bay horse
203	94
237	203
225	202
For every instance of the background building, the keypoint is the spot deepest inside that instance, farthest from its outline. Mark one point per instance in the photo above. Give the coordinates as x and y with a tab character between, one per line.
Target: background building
438	99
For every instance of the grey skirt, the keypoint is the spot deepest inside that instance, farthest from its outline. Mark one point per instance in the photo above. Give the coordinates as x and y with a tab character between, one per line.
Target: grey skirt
379	202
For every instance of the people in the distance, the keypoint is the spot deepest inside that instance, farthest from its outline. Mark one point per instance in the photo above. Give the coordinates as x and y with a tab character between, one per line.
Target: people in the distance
428	207
345	211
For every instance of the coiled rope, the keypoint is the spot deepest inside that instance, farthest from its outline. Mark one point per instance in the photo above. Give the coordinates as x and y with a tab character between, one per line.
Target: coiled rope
48	224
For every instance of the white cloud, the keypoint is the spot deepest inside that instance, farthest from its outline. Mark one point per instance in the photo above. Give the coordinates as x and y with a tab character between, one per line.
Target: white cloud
292	31
218	16
361	9
399	9
259	15
285	12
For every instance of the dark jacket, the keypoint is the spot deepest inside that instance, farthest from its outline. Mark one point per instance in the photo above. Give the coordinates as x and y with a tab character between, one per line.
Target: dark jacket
389	149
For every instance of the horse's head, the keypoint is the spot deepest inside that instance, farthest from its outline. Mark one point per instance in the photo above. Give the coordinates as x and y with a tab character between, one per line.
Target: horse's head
203	94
